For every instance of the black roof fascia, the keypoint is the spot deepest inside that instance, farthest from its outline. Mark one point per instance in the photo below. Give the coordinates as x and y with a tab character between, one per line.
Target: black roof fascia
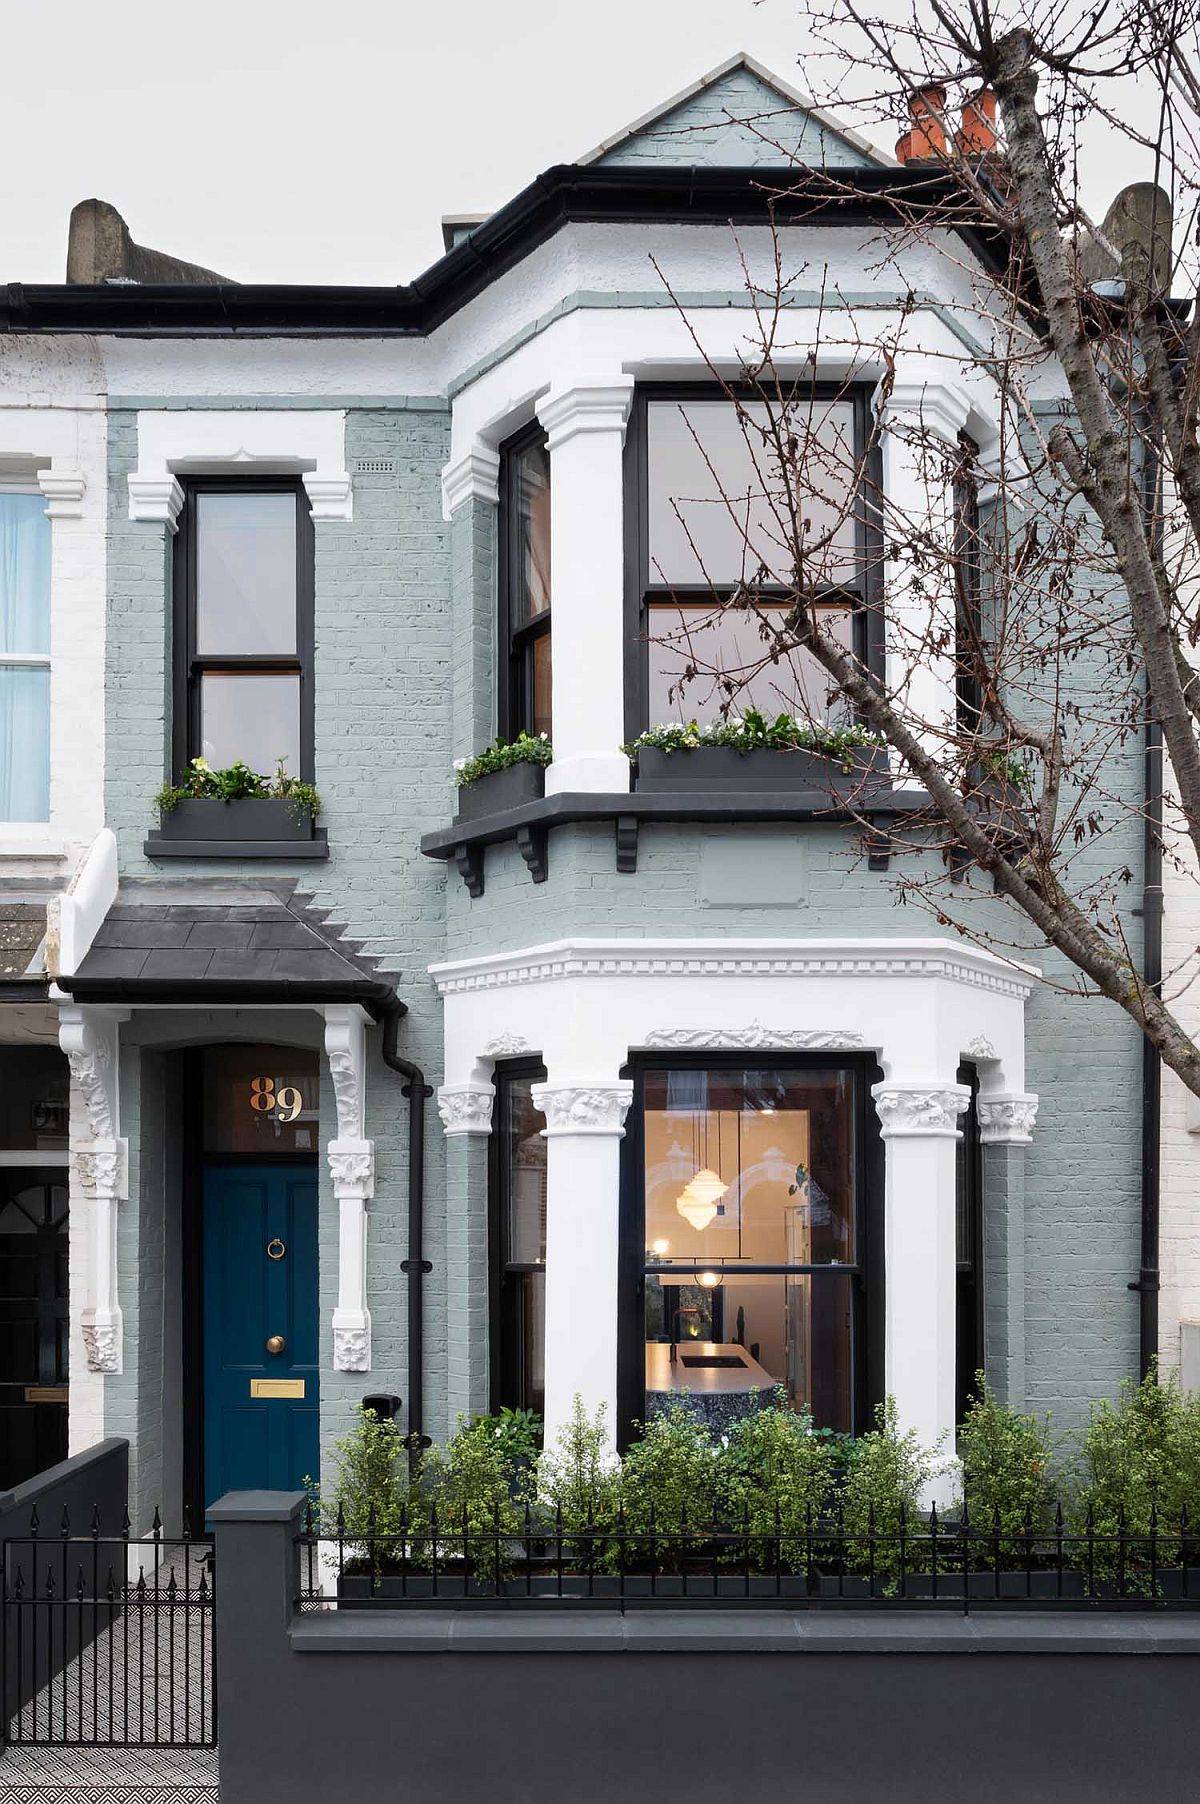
565	193
24	989
376	997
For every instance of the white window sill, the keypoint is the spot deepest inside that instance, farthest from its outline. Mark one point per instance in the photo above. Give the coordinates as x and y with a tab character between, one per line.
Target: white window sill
20	839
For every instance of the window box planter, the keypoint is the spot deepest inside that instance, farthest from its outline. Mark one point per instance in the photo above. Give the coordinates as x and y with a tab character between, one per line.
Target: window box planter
251	827
501	790
721	768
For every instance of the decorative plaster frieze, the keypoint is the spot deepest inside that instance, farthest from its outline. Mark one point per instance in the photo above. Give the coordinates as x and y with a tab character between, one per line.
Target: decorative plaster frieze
346	1053
64	491
506	1046
583	1108
585	409
352	1347
330	497
155	498
713	959
916	1110
352	1168
980	1048
102	1168
755	1037
102	1342
466	1108
1006	1120
475	477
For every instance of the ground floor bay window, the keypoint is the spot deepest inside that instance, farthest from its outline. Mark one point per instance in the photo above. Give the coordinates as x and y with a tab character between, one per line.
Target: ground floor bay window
746	1230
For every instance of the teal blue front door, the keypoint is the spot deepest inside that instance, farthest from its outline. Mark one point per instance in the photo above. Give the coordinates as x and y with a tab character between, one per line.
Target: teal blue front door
260	1328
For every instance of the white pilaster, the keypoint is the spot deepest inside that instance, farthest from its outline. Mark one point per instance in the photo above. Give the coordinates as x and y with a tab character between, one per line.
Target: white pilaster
352	1169
584	1126
921	418
99	1172
920	1128
585	435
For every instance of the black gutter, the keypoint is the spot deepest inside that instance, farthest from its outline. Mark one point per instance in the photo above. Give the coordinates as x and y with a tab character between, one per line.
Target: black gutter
372	995
416	1265
565	193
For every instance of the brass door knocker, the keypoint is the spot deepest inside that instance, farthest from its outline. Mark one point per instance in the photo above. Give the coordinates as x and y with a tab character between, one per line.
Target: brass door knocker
275	1248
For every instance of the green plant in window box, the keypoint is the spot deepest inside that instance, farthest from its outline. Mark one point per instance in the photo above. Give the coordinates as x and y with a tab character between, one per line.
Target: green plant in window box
238	783
753	732
526	748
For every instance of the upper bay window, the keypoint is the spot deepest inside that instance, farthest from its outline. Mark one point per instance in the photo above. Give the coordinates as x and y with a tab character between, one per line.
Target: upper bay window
525	697
24	654
243	661
729	497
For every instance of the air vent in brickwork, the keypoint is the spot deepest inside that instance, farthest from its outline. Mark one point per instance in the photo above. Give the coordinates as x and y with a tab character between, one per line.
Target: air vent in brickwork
375	466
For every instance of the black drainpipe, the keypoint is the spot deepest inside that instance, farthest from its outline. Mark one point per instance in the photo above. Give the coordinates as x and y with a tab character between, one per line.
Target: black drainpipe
416	1265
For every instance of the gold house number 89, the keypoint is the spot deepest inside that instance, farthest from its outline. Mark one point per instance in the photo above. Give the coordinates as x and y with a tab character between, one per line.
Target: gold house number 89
283	1104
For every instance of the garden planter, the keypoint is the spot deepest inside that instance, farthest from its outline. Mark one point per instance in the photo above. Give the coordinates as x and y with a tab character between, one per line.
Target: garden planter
249	818
501	790
717	769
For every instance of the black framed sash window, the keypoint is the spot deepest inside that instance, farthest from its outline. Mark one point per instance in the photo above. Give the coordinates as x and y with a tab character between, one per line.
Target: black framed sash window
968	586
969	1292
524	587
518	1242
708	513
749	1202
244	626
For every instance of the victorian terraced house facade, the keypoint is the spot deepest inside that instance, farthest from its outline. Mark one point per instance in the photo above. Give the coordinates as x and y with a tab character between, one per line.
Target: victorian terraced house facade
709	1113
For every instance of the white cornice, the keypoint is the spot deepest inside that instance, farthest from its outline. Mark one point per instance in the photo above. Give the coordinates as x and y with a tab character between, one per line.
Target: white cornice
585	409
871	958
475	477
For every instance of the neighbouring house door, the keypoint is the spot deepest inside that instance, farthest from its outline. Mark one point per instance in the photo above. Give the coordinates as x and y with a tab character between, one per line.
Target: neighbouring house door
260	1327
33	1322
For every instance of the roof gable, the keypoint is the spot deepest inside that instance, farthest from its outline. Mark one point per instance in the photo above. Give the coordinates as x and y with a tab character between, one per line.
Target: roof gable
739	115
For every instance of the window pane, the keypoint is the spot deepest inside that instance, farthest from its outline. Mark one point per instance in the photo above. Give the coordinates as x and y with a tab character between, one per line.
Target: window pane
254	718
738	1337
260	1099
530	478
24	573
750	1165
717	499
714	643
34	1086
24	742
525	1151
245	574
540	714
533	1342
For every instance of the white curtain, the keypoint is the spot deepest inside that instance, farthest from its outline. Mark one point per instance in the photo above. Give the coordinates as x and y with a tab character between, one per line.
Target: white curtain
25	632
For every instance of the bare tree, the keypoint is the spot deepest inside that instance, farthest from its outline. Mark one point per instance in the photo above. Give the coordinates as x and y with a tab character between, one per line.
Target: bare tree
1038	584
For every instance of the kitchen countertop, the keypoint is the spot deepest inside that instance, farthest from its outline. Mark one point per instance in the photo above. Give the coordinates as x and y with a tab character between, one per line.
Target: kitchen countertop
704	1381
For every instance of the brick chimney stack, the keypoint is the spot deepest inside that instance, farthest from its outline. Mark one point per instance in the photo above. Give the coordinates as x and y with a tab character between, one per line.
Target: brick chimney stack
976	136
927	138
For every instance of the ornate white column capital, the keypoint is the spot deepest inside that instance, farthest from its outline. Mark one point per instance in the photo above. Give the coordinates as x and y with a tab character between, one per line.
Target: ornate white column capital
589	408
1007	1120
920	1111
466	1108
475	477
64	492
155	497
352	1168
583	1108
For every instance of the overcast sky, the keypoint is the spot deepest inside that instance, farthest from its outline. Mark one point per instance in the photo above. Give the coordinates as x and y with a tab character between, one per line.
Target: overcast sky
291	141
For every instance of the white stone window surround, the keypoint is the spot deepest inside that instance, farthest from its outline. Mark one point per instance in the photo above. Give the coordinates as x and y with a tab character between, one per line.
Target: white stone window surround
587	1005
578	377
61	452
174	442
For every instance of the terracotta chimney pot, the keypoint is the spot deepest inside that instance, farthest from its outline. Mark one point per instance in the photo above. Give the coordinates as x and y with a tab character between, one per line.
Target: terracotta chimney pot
976	136
927	109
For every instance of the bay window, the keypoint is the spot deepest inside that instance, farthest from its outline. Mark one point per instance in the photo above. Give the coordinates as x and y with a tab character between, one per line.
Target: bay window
24	654
243	643
525	591
518	1243
710	516
746	1232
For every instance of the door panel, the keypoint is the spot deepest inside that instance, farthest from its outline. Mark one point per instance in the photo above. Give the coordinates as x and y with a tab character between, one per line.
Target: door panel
33	1322
260	1280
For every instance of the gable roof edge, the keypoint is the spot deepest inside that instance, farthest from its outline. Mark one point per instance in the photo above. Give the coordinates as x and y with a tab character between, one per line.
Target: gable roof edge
741	59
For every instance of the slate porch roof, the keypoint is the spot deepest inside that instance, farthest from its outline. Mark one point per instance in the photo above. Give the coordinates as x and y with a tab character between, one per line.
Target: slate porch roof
221	942
23	975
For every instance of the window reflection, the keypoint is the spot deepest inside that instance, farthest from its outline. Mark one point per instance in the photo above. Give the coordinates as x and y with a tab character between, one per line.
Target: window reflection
520	1246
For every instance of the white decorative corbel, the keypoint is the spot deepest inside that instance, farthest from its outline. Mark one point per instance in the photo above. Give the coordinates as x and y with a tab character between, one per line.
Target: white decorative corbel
100	1169
352	1169
64	491
157	496
474	477
330	496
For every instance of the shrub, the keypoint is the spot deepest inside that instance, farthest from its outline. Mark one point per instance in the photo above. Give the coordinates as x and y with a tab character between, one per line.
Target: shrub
753	732
475	1489
1139	1465
881	1497
370	1491
1006	1471
517	1433
579	1490
671	1479
778	1475
234	784
526	748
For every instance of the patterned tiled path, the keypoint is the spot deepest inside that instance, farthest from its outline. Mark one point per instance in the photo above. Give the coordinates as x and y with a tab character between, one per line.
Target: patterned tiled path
108	1776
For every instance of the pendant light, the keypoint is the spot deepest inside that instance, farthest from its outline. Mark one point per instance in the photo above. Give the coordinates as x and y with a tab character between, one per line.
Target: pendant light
697	1201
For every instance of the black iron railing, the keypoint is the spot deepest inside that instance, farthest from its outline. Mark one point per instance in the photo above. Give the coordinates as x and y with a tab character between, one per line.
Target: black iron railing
522	1557
107	1640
